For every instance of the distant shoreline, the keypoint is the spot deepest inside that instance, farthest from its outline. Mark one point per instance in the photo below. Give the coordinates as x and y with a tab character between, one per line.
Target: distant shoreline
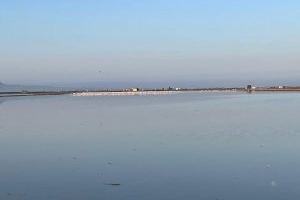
143	92
109	93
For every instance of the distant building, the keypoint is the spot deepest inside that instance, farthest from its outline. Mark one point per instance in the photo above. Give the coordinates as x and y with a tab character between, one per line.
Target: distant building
249	88
135	89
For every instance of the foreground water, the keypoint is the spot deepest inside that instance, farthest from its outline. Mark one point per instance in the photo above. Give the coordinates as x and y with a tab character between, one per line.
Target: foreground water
186	146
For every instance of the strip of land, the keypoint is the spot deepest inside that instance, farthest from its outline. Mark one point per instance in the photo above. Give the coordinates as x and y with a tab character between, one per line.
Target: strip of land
126	92
135	91
42	93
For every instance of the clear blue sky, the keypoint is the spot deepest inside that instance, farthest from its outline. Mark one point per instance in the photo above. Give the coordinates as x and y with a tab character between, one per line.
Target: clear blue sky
69	41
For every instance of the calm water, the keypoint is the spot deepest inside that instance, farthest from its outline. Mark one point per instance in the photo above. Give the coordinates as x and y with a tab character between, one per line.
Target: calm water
191	146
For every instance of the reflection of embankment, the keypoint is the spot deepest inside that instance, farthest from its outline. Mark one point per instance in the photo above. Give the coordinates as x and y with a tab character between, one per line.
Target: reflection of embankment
141	93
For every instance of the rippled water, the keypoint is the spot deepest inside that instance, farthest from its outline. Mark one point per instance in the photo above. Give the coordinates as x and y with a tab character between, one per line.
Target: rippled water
189	146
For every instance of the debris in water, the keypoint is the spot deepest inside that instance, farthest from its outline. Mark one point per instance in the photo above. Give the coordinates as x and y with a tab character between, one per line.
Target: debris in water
112	184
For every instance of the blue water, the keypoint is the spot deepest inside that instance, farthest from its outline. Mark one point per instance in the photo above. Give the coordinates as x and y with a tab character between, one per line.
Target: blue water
188	146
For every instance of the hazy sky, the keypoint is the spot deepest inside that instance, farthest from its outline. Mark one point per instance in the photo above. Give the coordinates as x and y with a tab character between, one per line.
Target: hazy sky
69	41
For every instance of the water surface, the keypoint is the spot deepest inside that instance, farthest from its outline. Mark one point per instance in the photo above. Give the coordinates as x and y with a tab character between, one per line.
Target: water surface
188	146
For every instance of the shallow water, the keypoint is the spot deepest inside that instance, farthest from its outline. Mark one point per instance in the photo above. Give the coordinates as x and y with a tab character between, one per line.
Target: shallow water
187	146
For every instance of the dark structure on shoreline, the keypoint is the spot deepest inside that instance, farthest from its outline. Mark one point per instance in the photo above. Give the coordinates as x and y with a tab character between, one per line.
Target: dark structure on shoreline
249	88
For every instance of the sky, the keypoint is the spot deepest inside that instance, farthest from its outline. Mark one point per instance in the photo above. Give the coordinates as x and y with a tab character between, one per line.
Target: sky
221	42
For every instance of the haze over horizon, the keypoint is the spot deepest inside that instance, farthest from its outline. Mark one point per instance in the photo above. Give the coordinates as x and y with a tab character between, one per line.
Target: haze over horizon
217	42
